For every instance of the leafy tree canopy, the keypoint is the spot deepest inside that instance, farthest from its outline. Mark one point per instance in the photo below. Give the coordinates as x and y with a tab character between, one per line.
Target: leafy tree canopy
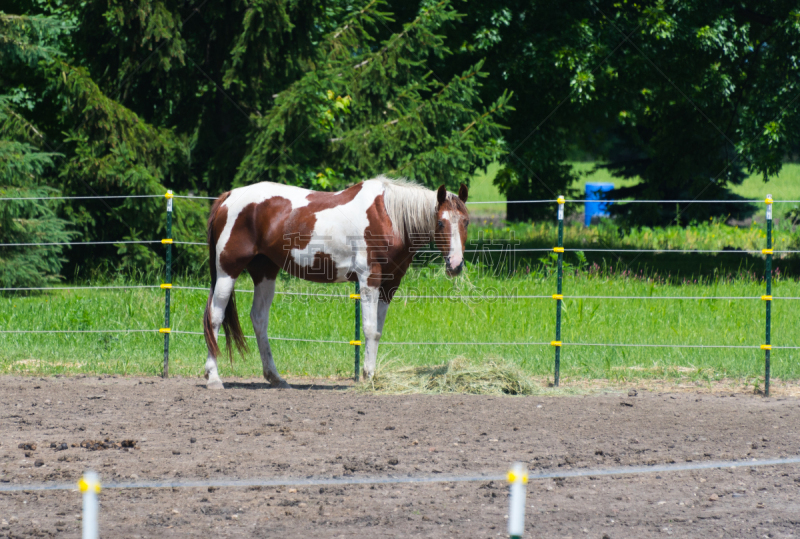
688	95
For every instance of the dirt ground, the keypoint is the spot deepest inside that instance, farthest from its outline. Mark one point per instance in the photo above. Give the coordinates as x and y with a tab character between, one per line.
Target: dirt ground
183	431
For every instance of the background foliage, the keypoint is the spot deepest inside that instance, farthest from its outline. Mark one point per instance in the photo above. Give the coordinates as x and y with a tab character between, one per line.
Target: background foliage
139	96
688	96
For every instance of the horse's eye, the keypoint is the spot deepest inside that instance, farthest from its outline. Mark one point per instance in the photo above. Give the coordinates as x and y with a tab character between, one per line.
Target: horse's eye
440	224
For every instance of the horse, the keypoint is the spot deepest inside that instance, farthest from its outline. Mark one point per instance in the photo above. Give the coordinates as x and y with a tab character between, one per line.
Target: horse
367	233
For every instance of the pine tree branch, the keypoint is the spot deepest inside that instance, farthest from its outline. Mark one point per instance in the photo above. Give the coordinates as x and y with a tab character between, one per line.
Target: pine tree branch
397	38
346	27
25	123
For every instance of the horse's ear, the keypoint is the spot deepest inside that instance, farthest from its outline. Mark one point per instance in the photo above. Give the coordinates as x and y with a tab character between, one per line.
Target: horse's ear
441	194
462	193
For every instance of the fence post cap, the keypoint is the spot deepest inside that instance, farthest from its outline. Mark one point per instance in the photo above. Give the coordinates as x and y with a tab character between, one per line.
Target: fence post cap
90	482
518	474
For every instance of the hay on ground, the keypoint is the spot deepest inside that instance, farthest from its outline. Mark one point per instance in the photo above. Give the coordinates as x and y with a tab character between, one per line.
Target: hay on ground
456	376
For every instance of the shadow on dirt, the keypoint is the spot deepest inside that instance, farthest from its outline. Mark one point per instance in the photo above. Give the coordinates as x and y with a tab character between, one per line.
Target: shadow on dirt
264	385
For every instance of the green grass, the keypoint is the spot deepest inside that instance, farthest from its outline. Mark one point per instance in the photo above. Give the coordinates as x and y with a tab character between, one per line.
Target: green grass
587	174
785	186
481	189
676	268
707	322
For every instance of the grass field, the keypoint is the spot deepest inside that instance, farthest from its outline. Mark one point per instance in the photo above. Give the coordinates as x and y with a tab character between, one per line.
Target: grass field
481	189
647	321
517	320
786	186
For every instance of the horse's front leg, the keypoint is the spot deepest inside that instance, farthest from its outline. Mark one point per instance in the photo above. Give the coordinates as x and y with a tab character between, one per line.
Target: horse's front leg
262	300
372	334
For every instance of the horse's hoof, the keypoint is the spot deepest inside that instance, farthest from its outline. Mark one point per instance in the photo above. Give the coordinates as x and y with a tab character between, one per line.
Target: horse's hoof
215	384
275	381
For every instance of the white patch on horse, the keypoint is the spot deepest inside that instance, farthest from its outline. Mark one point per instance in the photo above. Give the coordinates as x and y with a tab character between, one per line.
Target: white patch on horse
339	232
256	194
455	256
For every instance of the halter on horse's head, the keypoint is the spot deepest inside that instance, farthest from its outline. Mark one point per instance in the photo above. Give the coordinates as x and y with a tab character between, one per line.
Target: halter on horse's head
450	234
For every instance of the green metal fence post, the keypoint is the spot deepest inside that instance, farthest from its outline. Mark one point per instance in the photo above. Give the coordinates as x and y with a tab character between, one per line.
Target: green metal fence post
357	341
167	284
768	298
560	251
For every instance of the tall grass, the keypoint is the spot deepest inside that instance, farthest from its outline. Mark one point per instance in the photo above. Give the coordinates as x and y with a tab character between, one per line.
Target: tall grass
646	321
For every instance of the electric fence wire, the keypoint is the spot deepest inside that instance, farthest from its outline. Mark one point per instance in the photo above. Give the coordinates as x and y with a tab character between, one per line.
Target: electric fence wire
542	201
445	297
394	480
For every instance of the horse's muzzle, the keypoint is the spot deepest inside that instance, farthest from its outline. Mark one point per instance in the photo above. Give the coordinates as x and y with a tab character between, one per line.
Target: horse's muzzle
451	271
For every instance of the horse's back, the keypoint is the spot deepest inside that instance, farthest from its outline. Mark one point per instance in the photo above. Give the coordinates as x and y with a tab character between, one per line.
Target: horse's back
298	229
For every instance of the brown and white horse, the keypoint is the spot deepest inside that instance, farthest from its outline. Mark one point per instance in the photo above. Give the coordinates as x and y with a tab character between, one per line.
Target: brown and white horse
369	232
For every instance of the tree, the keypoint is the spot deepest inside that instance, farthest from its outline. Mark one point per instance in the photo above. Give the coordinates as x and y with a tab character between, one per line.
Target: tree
199	96
360	110
23	165
687	95
98	147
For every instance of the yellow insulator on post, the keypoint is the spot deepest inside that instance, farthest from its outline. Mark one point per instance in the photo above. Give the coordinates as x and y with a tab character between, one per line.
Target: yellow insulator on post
514	477
355	343
768	201
167	241
555	343
766	251
766	298
355	296
164	330
560	200
168	194
766	347
89	486
558	249
558	296
166	285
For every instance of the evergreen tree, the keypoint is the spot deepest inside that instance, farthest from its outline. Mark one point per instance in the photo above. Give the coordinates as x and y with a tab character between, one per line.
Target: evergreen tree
365	107
199	96
26	41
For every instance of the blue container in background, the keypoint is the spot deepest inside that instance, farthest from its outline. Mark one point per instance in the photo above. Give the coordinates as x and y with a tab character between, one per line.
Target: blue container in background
594	191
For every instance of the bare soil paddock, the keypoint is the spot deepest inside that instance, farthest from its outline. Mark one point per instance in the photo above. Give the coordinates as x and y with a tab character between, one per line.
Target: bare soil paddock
183	431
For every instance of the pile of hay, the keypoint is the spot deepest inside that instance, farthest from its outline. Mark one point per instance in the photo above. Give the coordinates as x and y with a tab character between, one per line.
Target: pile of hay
457	376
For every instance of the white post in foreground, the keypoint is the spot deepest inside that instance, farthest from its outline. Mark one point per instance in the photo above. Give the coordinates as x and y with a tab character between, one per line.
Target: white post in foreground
518	479
89	485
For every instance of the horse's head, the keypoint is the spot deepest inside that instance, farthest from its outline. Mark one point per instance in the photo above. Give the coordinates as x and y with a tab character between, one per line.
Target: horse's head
450	235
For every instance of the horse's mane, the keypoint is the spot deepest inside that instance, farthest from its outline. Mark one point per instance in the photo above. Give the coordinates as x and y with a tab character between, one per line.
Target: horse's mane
411	207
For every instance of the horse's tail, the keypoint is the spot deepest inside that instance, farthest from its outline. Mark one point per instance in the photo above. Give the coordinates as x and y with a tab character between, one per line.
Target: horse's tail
230	320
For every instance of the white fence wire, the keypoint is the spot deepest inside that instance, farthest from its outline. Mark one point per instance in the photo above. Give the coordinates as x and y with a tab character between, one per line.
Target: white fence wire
395	480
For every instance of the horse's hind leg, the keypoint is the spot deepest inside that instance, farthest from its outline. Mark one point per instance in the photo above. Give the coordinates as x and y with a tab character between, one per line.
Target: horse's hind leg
264	272
223	288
